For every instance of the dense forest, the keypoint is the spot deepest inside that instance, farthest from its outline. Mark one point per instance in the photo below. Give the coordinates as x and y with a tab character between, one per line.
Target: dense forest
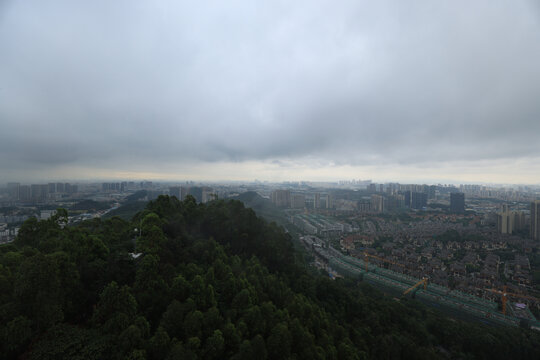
183	280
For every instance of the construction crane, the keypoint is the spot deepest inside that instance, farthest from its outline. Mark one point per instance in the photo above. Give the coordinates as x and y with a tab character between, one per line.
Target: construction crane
504	297
367	256
423	281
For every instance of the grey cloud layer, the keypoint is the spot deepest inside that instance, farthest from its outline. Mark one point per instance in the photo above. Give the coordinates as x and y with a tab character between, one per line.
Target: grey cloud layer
94	83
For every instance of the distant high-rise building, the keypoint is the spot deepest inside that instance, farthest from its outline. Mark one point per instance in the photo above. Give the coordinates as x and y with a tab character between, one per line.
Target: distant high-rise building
316	200
395	202
35	192
281	198
377	203
52	188
13	190
535	220
509	221
44	192
505	222
457	202
406	197
39	192
329	201
111	187
208	194
418	200
184	191
364	206
175	191
60	187
25	193
520	221
298	201
432	192
196	192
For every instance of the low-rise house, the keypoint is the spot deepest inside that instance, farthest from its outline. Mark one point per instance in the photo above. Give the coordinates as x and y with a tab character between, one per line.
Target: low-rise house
435	263
446	254
470	258
427	252
488	275
458	269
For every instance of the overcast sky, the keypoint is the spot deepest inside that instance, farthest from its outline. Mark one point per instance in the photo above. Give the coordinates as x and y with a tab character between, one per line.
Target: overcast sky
409	91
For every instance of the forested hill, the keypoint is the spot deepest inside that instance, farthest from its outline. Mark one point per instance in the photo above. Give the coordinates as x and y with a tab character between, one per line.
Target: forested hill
213	281
263	207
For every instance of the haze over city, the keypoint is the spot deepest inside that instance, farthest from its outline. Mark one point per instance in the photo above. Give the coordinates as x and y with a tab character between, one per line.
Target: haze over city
310	90
269	180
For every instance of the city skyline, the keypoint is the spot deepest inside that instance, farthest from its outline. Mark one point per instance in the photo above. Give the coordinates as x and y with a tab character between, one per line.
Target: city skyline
215	175
310	91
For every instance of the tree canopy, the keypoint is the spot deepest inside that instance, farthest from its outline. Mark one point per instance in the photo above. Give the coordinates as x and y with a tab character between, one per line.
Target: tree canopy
212	281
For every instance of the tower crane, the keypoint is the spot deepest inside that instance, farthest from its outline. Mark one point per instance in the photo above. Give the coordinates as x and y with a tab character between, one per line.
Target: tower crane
504	296
423	281
367	256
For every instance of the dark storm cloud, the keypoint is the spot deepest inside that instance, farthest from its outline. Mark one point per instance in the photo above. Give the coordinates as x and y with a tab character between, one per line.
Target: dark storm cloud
114	83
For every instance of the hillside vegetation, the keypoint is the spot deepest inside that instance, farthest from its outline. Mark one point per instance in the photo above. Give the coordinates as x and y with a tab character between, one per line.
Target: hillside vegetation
212	281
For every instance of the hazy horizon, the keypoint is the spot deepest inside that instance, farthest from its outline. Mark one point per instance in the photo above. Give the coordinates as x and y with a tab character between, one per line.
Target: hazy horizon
217	181
415	92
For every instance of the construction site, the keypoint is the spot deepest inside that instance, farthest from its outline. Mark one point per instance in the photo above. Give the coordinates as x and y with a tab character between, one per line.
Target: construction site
452	302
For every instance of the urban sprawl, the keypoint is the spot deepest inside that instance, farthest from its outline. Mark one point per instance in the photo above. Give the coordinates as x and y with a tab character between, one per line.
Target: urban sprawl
478	240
